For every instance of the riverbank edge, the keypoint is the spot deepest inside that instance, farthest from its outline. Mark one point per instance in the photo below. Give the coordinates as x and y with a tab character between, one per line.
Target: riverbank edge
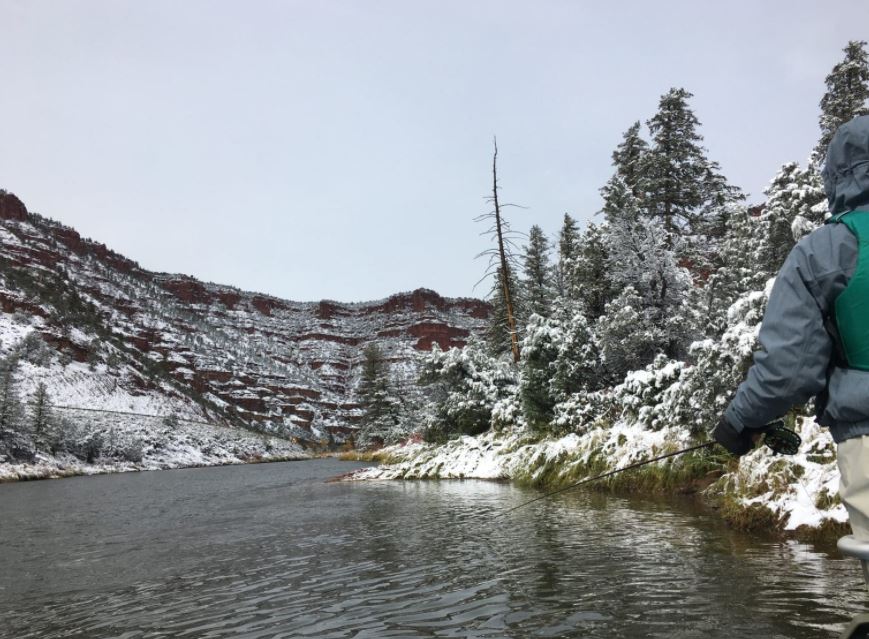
689	479
13	473
756	494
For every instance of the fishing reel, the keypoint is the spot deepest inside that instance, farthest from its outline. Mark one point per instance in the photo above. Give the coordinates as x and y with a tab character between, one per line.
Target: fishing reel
780	439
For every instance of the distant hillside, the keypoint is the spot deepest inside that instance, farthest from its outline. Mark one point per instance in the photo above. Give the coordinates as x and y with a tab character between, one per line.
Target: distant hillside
102	332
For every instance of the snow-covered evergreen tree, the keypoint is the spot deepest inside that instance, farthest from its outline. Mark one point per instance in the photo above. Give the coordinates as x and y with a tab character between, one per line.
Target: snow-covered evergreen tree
795	195
576	366
590	283
629	160
15	441
618	200
559	359
625	338
642	256
680	185
757	240
11	412
568	238
42	420
847	95
538	286
380	417
719	366
464	386
539	351
675	166
737	271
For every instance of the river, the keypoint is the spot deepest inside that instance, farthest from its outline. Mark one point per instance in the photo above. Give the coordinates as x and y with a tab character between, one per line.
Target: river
273	550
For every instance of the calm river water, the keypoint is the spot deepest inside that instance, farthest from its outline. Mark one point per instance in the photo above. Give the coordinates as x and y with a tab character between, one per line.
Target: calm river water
273	550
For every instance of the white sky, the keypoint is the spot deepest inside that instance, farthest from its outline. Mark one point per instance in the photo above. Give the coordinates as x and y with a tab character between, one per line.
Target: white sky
341	149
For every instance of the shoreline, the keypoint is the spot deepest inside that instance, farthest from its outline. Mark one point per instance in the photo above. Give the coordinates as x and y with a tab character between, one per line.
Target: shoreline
785	497
730	491
14	473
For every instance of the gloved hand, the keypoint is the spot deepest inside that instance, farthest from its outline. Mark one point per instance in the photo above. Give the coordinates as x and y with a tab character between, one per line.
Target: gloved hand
737	442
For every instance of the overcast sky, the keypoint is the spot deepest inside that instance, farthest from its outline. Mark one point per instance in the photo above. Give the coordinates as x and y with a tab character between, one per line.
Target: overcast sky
341	149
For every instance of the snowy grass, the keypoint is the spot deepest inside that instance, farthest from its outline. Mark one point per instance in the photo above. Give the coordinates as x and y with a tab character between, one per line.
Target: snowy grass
519	456
761	490
801	491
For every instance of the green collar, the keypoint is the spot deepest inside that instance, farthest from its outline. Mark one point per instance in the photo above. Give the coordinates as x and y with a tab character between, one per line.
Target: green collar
837	218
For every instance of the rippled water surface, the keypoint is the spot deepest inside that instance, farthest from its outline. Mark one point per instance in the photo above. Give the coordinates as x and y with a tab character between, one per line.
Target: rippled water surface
275	551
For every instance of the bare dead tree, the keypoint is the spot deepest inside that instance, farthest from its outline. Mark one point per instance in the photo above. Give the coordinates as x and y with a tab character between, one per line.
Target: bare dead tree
500	257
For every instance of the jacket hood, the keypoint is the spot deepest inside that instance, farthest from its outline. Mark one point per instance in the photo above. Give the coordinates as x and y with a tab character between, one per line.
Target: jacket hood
846	171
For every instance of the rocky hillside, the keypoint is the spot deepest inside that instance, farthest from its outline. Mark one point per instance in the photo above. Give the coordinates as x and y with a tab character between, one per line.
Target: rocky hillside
103	332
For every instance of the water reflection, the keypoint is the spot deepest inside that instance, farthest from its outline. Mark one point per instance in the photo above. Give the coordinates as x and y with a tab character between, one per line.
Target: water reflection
273	551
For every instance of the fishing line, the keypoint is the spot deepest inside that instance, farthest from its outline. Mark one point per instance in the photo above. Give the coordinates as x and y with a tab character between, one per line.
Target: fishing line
776	436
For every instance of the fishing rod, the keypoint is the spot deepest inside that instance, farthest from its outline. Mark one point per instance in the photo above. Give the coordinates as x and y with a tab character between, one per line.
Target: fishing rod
777	437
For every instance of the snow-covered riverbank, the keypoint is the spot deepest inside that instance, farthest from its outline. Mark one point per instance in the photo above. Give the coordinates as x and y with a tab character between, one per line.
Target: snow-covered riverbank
151	444
799	491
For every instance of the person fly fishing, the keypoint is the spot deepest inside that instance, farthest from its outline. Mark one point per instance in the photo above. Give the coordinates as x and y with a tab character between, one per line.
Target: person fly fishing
815	333
814	340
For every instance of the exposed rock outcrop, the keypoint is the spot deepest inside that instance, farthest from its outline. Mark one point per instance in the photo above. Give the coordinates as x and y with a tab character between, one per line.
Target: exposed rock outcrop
289	365
11	208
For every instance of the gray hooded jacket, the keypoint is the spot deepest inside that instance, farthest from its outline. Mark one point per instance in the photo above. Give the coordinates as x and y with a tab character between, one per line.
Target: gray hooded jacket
794	364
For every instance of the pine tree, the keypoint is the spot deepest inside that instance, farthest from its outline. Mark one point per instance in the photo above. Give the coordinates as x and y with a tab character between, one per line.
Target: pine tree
737	273
720	197
618	200
675	166
624	337
679	184
539	352
641	256
846	96
590	282
464	385
576	366
538	288
10	402
14	440
42	423
623	192
558	360
380	409
567	244
629	159
793	194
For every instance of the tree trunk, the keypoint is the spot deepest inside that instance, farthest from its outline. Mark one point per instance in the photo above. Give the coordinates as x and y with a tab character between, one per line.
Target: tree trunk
508	303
